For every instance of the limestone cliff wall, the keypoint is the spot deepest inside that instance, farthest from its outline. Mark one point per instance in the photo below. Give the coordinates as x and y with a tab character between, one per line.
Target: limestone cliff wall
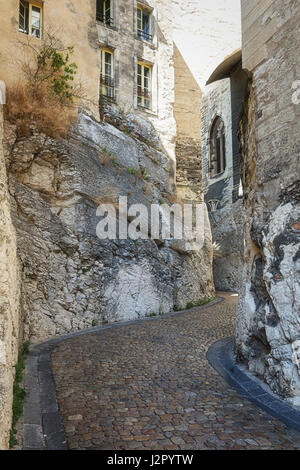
268	321
9	303
70	278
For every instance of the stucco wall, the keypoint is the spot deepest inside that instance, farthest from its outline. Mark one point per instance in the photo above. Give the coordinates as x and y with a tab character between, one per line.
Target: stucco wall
9	303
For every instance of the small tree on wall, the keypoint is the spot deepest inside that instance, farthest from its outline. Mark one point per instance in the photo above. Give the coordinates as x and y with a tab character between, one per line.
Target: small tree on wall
45	95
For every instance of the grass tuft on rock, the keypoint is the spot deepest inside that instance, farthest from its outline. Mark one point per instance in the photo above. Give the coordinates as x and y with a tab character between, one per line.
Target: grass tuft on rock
18	393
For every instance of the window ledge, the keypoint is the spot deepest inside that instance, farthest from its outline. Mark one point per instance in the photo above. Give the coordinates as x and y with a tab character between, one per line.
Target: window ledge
30	35
146	110
113	28
148	43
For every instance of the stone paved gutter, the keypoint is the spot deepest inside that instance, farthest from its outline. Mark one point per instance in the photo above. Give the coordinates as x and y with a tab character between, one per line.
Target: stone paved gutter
43	427
221	356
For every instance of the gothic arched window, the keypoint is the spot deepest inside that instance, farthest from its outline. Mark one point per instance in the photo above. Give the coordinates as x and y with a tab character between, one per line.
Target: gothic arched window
217	148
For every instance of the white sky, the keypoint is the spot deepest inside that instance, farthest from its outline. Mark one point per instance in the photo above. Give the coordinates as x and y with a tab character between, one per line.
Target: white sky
206	31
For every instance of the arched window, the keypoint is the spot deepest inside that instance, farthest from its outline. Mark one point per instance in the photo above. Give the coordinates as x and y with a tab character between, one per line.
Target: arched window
217	148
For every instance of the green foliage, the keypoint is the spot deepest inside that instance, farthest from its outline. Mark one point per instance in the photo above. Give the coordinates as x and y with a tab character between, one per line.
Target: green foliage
94	323
127	130
18	393
189	305
115	163
132	171
199	303
45	95
144	175
55	67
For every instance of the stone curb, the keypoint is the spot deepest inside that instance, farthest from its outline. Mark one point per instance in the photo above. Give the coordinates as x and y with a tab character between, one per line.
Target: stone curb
221	357
42	424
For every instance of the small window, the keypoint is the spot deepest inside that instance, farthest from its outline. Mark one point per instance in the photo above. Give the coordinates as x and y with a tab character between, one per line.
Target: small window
144	24
217	148
144	80
30	19
104	12
107	83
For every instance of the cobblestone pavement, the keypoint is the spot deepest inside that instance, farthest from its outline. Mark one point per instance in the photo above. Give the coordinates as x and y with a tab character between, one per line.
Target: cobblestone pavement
149	386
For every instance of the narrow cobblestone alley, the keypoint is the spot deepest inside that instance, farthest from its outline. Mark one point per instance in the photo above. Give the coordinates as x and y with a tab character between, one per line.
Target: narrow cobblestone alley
149	385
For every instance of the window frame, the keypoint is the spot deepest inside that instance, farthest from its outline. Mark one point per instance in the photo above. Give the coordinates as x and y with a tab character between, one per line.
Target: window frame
217	151
30	25
109	80
141	34
142	96
101	18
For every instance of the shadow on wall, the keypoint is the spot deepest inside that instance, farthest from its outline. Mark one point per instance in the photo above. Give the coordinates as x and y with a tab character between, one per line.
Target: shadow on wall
188	96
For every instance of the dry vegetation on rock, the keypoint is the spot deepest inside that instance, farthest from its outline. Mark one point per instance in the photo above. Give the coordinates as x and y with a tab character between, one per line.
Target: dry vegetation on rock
45	96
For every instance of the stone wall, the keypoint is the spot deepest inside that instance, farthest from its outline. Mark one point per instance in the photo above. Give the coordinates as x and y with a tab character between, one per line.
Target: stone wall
227	233
71	279
217	102
268	326
188	137
239	83
225	99
9	303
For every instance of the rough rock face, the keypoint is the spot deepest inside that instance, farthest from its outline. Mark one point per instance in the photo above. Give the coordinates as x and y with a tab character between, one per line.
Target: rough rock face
227	232
70	278
268	319
9	303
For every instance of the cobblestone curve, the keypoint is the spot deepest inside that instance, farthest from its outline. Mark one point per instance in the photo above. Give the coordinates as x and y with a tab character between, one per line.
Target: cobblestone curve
149	386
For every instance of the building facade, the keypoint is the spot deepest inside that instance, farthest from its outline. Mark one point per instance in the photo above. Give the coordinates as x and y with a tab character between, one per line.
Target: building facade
222	106
123	49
